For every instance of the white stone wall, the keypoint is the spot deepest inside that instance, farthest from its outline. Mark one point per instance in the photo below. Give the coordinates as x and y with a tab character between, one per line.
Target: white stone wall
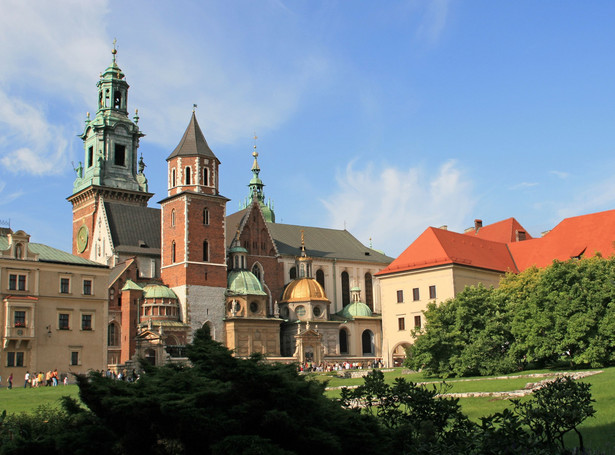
203	304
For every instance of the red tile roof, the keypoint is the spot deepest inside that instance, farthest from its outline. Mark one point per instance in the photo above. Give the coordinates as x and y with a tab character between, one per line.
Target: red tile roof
504	231
439	246
495	247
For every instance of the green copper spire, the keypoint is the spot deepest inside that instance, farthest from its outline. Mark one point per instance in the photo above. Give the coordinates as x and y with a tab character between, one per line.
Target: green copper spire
111	138
256	186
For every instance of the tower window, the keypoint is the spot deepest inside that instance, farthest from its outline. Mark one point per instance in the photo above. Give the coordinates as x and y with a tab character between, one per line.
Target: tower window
345	289
173	217
205	216
320	277
187	175
206	176
205	251
117	104
173	252
120	155
90	156
173	178
107	98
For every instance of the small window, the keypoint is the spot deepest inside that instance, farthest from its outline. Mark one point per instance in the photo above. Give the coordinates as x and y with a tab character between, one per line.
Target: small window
417	322
120	155
87	287
300	311
205	216
173	252
21	282
86	322
64	285
63	321
400	296
205	251
12	282
293	273
17	282
117	104
113	335
173	178
20	318
90	156
74	358
432	292
173	218
206	176
254	307
14	359
401	323
188	174
415	294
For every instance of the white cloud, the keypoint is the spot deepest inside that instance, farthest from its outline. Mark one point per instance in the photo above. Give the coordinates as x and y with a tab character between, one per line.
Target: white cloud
594	197
560	174
523	185
394	206
434	20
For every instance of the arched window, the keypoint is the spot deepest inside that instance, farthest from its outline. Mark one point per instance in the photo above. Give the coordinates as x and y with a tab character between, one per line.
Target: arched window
345	289
187	179
367	341
320	277
206	176
173	217
343	341
205	251
236	266
256	270
293	273
113	334
173	177
369	294
206	216
173	251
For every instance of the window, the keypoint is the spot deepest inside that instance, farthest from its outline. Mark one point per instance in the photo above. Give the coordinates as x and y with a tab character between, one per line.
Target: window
120	155
367	342
14	359
63	320
417	322
87	287
300	311
173	251
90	156
205	251
293	273
188	175
205	216
86	322
20	318
432	292
320	277
400	296
206	176
113	334
415	294
64	285
117	104
173	217
343	342
74	358
17	282
369	292
401	323
345	289
173	178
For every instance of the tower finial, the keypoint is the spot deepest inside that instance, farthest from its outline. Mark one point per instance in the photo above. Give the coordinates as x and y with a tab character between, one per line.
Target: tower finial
194	106
114	51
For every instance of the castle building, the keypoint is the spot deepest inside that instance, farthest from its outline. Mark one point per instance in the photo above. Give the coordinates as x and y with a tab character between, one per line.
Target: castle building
54	309
188	264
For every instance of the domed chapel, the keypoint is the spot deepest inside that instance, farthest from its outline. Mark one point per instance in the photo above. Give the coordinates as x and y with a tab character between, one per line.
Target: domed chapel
189	264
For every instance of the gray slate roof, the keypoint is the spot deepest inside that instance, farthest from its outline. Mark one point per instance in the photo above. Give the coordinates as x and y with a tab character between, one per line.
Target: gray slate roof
193	142
131	224
50	254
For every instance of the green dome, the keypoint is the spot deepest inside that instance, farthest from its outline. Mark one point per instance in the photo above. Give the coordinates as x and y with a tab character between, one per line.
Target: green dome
237	249
242	282
356	309
157	291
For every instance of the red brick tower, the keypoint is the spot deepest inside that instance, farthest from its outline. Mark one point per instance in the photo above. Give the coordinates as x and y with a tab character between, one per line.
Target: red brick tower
193	232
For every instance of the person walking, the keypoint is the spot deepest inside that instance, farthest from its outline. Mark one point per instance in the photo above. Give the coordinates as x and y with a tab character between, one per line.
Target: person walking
26	379
10	381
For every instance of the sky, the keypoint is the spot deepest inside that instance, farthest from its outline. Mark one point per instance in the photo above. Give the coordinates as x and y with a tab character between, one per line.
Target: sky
383	118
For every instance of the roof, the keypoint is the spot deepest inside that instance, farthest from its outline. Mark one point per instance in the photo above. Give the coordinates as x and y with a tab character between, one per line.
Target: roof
504	231
243	282
49	254
193	142
133	227
356	309
571	238
439	246
158	291
119	269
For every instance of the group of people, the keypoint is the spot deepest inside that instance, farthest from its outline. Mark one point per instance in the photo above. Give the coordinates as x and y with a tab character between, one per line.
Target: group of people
40	379
311	366
122	375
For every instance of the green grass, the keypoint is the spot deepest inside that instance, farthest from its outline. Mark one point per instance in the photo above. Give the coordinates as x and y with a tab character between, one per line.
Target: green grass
19	400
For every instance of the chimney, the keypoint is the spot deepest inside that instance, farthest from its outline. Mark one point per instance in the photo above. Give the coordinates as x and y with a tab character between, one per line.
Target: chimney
478	224
444	227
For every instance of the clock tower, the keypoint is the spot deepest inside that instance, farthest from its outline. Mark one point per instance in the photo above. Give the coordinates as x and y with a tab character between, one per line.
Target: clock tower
110	170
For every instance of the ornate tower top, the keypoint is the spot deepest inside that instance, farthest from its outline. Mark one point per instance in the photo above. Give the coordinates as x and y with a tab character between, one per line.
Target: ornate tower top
257	193
303	261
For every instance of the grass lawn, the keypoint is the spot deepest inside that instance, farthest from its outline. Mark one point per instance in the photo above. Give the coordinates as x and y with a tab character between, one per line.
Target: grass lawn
19	399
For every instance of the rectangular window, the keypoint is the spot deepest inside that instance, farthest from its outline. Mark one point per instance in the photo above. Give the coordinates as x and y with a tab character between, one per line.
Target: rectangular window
401	323
14	359
86	322
63	321
90	156
64	285
87	287
20	318
417	322
19	359
415	294
21	282
74	358
432	292
400	296
12	282
120	155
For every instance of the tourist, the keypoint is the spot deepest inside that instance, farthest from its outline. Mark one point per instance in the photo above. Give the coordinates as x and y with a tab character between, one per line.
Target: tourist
11	381
26	379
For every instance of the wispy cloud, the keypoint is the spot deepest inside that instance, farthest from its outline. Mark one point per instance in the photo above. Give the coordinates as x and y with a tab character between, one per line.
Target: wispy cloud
594	197
434	20
394	206
523	185
560	174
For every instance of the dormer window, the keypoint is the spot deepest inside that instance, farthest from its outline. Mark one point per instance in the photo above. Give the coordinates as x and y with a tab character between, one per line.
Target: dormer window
18	251
90	156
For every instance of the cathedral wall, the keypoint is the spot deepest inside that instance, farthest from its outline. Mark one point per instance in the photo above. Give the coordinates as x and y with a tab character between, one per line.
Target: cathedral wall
84	213
201	305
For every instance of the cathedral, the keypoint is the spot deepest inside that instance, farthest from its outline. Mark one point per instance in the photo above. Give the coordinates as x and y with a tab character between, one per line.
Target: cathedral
292	293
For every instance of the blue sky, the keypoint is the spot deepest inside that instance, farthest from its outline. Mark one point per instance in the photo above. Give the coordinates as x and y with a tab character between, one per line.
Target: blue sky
382	117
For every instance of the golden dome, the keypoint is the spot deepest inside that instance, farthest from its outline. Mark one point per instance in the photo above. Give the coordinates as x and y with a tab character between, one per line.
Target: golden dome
304	289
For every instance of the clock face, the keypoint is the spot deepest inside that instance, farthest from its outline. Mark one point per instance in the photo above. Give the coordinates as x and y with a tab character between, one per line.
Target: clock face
82	239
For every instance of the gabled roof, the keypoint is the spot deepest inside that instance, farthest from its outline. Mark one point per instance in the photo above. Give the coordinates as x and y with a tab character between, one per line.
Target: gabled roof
193	142
439	246
134	228
119	269
504	231
583	235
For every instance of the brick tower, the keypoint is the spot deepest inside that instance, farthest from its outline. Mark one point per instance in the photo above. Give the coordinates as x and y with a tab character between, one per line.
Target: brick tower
193	239
109	172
